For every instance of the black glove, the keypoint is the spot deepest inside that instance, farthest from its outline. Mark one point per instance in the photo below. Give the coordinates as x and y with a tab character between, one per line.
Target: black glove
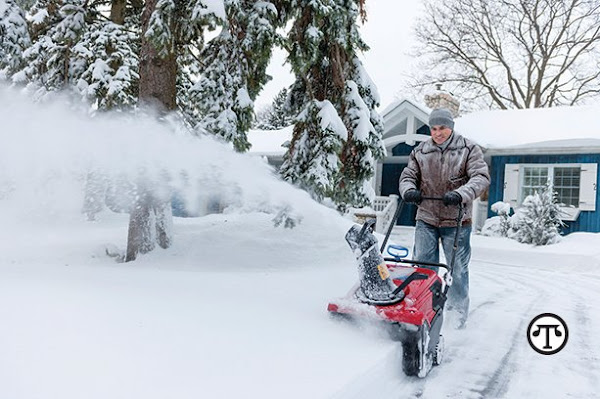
452	198
413	196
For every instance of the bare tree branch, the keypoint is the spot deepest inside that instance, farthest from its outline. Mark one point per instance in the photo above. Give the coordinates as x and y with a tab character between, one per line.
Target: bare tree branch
511	53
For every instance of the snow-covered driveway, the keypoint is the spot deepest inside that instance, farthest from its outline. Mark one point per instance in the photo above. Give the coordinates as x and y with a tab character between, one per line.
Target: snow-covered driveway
246	317
492	358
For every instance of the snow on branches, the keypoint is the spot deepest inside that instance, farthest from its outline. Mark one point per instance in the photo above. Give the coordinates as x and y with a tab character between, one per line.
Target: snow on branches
537	221
324	42
14	37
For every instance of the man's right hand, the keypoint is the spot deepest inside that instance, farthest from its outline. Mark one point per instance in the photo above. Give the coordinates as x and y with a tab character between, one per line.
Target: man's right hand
413	196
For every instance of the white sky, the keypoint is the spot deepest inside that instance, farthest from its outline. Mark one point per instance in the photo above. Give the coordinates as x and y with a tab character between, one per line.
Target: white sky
388	31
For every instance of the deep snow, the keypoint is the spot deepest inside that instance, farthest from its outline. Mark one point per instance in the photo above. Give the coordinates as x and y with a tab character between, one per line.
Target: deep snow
237	307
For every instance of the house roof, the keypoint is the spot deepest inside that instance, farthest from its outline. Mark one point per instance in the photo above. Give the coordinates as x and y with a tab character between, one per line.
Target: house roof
524	131
269	142
557	129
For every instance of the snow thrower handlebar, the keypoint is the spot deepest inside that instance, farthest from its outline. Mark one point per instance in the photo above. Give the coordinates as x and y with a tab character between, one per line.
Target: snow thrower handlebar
459	217
416	262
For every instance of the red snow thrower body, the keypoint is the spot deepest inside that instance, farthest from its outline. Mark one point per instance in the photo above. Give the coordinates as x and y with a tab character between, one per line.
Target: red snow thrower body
416	307
408	296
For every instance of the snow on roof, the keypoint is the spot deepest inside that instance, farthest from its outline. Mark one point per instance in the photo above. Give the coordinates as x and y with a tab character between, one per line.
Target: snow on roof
530	130
552	128
268	142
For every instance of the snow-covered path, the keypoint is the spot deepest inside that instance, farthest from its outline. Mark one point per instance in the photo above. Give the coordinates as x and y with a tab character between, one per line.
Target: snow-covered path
492	358
246	316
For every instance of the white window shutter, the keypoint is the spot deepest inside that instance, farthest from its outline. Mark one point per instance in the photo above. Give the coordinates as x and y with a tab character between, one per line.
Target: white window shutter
511	184
587	188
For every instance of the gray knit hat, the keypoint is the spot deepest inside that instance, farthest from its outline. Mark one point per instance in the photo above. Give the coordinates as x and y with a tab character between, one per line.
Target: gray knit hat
441	116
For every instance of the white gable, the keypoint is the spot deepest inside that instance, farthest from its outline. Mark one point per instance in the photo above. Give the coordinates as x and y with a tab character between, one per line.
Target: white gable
401	121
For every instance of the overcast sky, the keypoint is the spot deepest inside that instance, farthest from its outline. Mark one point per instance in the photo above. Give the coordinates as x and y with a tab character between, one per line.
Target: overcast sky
388	31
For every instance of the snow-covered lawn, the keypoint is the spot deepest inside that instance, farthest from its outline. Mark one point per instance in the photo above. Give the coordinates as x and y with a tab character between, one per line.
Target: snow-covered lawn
237	308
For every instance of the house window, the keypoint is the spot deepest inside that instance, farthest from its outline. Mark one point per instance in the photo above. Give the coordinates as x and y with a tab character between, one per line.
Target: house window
564	180
534	179
575	184
566	184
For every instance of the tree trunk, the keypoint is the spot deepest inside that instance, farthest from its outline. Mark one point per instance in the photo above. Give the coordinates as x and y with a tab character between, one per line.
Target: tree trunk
141	237
150	218
164	222
158	75
117	11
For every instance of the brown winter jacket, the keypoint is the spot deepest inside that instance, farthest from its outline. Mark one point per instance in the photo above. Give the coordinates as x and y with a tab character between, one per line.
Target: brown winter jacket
460	167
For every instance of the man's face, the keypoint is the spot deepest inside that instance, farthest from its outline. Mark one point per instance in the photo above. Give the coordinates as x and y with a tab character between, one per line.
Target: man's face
440	133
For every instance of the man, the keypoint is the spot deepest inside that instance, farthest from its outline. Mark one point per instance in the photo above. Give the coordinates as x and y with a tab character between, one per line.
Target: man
451	167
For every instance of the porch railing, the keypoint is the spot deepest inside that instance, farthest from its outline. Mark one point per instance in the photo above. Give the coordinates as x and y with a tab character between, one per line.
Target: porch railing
383	211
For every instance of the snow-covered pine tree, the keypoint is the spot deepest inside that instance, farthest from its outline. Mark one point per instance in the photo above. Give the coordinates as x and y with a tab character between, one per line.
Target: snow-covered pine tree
538	220
74	47
14	37
323	42
57	29
365	139
107	58
312	160
106	68
151	217
278	115
25	4
165	24
235	72
106	63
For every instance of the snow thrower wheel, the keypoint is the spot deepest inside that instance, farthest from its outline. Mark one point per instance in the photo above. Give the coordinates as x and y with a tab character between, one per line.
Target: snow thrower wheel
438	355
417	360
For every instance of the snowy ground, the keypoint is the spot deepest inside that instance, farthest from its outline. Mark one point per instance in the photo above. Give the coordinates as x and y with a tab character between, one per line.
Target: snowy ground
238	308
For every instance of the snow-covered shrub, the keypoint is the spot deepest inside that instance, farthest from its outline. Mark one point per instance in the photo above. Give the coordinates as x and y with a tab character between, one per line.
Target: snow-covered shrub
538	220
498	226
492	227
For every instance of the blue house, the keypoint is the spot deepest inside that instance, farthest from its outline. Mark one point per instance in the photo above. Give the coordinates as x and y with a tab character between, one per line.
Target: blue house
527	148
524	149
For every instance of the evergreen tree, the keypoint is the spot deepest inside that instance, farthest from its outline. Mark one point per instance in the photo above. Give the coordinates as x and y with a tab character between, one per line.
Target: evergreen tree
14	37
538	220
323	42
106	63
312	160
365	142
75	48
278	115
150	217
165	23
57	29
25	5
235	72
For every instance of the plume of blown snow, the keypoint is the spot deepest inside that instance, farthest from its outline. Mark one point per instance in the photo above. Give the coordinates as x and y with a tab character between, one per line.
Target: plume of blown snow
49	149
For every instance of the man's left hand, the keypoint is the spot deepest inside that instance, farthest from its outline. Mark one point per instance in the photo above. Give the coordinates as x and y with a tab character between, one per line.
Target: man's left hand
452	198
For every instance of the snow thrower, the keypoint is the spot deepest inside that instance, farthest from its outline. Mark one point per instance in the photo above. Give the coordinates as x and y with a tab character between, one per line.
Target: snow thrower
406	295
